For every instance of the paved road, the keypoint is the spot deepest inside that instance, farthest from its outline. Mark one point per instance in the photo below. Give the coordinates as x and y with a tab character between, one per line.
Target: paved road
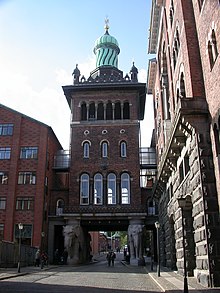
93	278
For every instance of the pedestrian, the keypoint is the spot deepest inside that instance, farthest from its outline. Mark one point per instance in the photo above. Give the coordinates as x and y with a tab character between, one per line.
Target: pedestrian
37	258
56	257
65	256
44	259
113	256
108	257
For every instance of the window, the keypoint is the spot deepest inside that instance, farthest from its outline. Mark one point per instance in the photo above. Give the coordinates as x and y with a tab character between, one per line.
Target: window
123	147
2	203
83	112
111	188
100	112
26	234
117	110
212	49
27	178
92	111
84	189
86	150
59	207
6	129
5	153
98	189
3	177
109	114
152	208
25	203
125	188
184	168
182	87
176	46
29	153
126	111
104	149
1	232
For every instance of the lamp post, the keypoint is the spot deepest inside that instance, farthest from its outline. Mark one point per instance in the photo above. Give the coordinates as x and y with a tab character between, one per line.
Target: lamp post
157	225
182	204
42	240
20	227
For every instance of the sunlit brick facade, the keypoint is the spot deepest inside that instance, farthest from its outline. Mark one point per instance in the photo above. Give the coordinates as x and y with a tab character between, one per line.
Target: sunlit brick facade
27	149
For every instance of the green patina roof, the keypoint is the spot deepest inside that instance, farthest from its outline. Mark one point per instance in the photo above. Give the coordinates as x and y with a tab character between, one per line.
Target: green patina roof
106	50
106	39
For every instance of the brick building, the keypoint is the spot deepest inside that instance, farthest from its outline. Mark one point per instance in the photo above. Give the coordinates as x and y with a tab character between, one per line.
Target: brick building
184	81
104	171
27	149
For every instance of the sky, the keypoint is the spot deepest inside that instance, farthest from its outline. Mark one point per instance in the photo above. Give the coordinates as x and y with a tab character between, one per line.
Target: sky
42	41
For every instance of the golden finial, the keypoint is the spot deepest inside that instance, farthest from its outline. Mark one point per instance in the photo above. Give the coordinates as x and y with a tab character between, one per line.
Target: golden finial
106	24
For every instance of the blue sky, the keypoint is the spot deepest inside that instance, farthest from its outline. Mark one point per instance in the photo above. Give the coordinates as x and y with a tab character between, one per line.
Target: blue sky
41	41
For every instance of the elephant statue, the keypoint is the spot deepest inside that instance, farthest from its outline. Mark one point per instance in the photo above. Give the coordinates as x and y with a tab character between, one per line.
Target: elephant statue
74	243
135	235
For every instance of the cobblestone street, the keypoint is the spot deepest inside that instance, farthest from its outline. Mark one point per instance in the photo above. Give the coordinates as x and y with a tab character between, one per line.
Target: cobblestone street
93	278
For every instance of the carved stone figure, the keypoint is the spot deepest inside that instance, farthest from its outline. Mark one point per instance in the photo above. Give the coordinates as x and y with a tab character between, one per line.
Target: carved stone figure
74	243
135	233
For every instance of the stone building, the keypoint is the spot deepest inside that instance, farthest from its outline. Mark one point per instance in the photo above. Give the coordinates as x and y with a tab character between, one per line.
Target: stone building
27	149
184	81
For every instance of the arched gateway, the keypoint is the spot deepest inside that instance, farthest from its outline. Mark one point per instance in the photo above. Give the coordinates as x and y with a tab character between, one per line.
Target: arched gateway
103	193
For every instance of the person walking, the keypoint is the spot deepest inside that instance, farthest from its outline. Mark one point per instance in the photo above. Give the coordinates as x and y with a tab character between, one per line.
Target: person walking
113	256
108	257
37	258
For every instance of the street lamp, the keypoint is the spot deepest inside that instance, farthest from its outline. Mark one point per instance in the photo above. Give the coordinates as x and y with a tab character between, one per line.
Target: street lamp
184	203
157	225
42	240
20	227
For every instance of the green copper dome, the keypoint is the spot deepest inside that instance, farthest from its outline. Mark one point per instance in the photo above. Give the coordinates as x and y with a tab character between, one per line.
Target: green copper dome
106	50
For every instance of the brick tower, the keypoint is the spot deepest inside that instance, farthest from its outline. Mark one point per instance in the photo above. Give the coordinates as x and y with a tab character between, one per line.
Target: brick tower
106	108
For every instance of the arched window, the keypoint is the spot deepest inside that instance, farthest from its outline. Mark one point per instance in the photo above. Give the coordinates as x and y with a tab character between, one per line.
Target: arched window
182	86
125	188
176	46
92	111
86	146
104	147
84	189
118	110
126	111
59	207
98	189
214	45
123	149
83	112
100	112
109	114
212	49
111	188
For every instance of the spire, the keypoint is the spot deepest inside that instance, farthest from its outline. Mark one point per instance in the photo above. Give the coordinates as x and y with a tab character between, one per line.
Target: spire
106	49
106	27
